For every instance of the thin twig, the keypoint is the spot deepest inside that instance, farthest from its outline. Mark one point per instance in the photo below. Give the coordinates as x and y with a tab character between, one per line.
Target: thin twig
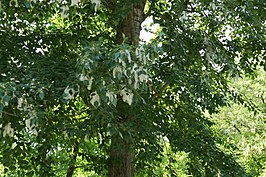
10	114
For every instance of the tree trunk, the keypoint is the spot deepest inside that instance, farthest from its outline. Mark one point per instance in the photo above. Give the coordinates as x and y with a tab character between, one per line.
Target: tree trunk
121	151
131	25
74	155
121	158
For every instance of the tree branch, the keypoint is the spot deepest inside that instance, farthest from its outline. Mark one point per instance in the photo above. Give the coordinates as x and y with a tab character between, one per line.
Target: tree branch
158	94
10	114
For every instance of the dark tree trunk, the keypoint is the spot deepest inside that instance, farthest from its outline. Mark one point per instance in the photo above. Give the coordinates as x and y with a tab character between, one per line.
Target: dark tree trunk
74	155
131	25
121	151
121	158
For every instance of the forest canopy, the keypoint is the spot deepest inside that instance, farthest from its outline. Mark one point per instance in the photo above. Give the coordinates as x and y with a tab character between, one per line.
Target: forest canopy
80	91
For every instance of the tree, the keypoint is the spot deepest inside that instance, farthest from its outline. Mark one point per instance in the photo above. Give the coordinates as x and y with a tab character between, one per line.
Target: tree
75	77
243	128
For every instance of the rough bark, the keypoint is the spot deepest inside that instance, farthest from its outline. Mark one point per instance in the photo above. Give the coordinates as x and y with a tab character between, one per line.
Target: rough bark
121	158
131	25
121	151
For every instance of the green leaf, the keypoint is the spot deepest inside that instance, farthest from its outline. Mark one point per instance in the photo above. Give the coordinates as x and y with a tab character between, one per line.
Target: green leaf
41	95
117	54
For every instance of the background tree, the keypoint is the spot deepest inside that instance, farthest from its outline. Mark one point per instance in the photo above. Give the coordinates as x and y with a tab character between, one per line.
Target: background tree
244	128
77	82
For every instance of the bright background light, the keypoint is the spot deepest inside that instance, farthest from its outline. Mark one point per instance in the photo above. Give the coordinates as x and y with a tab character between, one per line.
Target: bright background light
148	29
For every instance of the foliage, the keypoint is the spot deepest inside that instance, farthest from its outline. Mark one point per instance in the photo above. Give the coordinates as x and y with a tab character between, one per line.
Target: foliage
67	83
170	164
242	130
